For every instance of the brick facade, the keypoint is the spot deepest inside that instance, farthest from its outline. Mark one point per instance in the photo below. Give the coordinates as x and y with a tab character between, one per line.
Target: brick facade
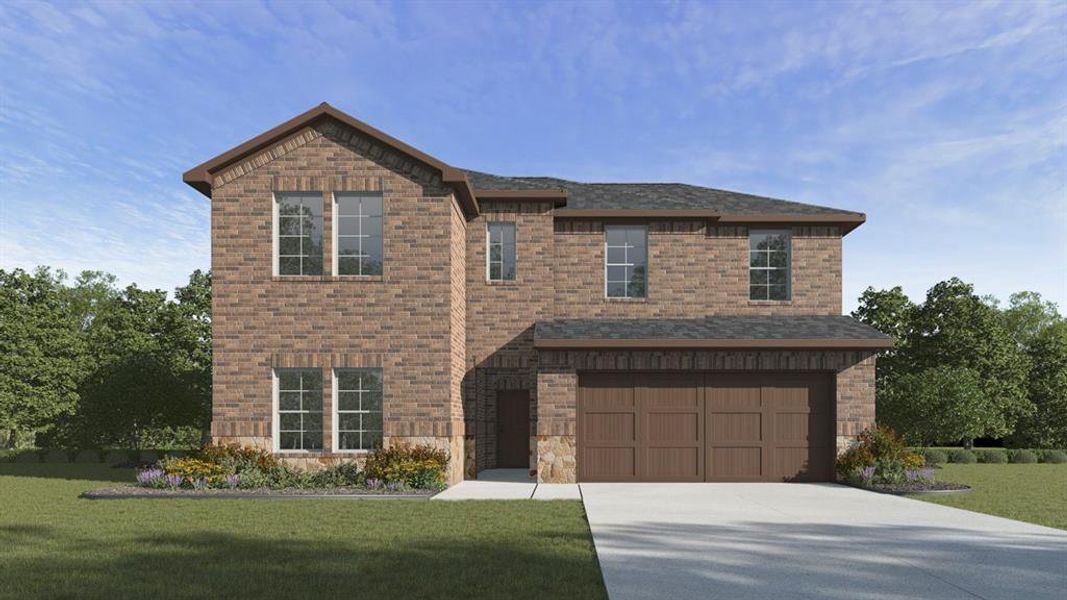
446	338
409	321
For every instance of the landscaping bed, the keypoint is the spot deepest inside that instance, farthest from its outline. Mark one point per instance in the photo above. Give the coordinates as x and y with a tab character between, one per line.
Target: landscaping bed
920	486
130	491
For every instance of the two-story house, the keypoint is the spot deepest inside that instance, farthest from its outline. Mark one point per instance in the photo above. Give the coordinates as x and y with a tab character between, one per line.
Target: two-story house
366	293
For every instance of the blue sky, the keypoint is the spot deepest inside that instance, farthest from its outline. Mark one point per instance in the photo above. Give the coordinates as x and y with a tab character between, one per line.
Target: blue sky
945	122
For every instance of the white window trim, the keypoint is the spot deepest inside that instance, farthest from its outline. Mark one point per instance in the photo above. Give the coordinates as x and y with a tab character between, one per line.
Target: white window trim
488	242
788	233
275	234
335	219
274	237
606	264
276	419
335	415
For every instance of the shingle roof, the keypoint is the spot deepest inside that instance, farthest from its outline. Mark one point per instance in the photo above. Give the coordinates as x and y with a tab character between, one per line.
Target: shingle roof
776	331
650	196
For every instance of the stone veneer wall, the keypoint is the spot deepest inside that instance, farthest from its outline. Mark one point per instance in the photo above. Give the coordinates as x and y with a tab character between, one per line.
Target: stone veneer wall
409	322
557	390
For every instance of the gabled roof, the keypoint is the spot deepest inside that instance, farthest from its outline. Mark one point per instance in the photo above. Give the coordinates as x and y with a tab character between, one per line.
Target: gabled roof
574	199
680	199
200	176
781	331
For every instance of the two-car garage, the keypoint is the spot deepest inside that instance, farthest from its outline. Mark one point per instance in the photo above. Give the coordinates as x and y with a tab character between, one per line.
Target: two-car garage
705	426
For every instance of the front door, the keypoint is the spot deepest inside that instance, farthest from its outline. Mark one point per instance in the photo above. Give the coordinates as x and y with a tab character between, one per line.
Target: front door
513	429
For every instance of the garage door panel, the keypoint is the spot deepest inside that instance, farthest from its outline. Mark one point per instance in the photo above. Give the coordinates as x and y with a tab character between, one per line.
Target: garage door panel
609	427
680	428
732	395
735	463
800	464
803	428
727	428
612	464
674	463
706	426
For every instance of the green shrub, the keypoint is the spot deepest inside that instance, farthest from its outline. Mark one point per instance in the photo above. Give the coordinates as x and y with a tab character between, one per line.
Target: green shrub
1022	457
881	449
192	469
934	456
185	436
28	456
419	467
87	456
56	456
1057	457
238	459
346	474
962	456
148	457
115	457
991	455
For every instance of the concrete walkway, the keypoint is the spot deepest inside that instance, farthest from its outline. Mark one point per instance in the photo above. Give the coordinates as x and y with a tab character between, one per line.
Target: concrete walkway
508	484
749	541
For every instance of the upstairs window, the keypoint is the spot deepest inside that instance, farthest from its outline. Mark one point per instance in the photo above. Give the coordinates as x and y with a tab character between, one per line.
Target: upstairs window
298	233
769	263
298	414
625	261
358	234
501	252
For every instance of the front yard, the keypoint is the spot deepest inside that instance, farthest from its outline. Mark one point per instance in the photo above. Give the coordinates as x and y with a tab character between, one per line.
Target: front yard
54	544
1036	493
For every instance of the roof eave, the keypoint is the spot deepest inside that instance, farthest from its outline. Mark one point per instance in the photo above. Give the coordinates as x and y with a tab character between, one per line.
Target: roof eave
557	197
731	343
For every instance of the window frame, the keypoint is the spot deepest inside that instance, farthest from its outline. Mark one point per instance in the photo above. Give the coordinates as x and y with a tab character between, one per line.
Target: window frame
514	250
276	418
607	248
336	234
276	235
336	410
788	233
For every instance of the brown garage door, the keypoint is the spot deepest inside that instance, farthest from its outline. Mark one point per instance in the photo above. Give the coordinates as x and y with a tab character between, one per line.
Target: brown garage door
704	427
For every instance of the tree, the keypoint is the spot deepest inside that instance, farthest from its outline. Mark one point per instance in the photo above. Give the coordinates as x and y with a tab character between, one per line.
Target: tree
42	357
891	312
939	404
955	328
1027	316
1047	426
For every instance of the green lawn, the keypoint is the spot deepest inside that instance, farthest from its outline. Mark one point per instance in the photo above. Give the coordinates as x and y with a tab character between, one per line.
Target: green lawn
1036	493
54	544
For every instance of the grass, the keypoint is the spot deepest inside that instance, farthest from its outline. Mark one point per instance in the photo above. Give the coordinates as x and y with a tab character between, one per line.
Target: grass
54	544
1036	493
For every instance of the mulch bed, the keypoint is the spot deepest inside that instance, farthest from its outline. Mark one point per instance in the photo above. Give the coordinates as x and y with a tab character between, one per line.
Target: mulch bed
918	487
125	492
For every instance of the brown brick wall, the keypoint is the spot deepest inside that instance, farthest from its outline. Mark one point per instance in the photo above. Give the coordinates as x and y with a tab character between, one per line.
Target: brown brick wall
500	317
446	339
694	270
408	321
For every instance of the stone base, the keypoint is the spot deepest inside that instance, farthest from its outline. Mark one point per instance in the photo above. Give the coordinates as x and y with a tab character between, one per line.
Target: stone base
556	459
263	443
470	457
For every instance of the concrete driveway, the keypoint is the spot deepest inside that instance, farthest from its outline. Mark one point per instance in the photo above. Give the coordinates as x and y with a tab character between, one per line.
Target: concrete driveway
738	541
